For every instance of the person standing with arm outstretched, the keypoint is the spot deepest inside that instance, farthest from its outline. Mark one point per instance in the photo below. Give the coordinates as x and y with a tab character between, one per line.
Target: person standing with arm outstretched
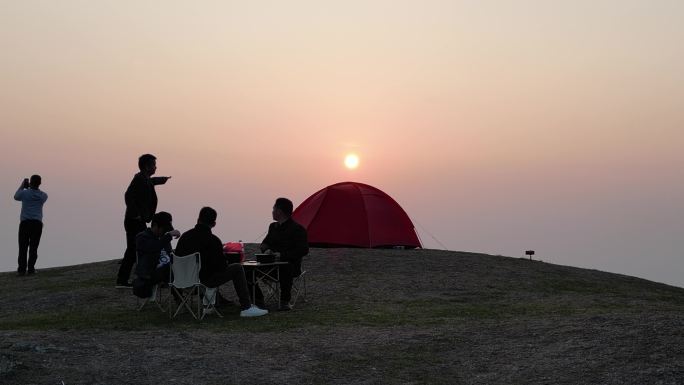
31	226
141	204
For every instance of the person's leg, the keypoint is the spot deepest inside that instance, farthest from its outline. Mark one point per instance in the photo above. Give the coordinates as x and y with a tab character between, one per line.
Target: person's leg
287	274
234	273
23	247
158	275
252	287
132	227
161	274
240	285
296	267
258	296
35	232
285	283
212	283
217	279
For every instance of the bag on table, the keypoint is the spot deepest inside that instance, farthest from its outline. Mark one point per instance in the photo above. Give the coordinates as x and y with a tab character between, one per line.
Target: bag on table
231	248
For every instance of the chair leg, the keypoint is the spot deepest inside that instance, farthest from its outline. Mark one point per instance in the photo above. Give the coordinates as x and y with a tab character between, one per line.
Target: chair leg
183	299
299	288
189	306
186	301
295	291
140	303
304	284
199	304
209	302
160	298
155	298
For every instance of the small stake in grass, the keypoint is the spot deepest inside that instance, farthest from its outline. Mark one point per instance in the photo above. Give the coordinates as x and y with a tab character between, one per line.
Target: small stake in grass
530	253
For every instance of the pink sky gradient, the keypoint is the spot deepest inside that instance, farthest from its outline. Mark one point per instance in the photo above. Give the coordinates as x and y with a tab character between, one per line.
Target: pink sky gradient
500	126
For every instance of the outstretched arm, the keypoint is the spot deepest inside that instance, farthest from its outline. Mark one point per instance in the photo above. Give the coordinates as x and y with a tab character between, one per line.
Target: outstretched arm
157	180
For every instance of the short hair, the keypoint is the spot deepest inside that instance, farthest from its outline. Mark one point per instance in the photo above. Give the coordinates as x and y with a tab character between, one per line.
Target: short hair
145	159
163	220
207	215
36	180
285	205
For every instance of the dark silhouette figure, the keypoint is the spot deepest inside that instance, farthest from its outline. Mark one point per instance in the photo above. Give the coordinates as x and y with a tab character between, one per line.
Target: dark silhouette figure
31	225
141	204
288	238
153	264
215	270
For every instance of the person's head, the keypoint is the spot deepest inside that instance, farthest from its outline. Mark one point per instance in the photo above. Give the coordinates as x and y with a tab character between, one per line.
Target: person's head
207	216
35	181
147	163
282	209
161	223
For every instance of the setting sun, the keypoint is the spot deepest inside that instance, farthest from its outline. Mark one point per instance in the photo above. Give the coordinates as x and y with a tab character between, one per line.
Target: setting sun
351	161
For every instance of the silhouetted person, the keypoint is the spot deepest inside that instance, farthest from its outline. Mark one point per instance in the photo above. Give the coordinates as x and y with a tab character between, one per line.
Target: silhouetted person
141	204
31	225
215	270
288	238
153	246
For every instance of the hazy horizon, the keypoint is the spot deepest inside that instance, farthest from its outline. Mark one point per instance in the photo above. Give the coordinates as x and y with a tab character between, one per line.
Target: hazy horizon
499	126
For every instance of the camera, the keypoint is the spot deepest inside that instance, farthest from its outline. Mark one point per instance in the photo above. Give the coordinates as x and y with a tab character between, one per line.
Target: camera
26	183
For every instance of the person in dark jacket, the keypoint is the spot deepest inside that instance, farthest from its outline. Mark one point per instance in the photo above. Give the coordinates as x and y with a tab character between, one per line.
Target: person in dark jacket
31	226
153	247
215	271
141	204
289	238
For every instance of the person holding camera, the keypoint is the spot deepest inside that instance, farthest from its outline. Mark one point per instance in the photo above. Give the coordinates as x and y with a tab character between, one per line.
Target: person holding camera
31	226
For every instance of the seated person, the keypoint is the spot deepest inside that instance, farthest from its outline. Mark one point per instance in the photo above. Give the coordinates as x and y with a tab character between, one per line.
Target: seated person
215	271
153	246
288	238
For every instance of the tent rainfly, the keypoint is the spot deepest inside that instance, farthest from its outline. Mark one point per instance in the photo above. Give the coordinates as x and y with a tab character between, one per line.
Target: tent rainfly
351	214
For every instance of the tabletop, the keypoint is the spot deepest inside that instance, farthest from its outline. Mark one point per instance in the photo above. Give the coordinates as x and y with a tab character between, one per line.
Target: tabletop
259	264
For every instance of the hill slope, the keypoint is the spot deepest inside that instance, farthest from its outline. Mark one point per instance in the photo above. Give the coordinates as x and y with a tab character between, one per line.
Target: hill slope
372	316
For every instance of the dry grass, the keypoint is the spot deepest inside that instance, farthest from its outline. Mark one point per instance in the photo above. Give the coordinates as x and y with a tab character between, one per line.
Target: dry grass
373	316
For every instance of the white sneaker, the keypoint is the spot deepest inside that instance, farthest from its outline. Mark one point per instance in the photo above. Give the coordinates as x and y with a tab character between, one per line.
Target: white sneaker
253	312
208	310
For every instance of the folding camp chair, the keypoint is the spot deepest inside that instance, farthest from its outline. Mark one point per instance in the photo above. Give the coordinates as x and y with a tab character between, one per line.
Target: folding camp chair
185	284
299	287
155	298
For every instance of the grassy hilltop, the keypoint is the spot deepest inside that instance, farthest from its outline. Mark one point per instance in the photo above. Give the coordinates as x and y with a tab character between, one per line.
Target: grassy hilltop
372	317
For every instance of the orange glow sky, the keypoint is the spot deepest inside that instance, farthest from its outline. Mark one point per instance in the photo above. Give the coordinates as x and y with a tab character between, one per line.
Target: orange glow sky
498	125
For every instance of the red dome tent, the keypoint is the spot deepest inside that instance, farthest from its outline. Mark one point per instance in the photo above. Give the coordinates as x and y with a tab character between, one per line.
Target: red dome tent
350	214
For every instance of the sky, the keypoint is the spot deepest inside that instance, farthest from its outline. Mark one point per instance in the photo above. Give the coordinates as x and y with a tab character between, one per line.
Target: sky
499	126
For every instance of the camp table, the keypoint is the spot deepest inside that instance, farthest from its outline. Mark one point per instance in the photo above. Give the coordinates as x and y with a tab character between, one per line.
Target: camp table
232	257
268	274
